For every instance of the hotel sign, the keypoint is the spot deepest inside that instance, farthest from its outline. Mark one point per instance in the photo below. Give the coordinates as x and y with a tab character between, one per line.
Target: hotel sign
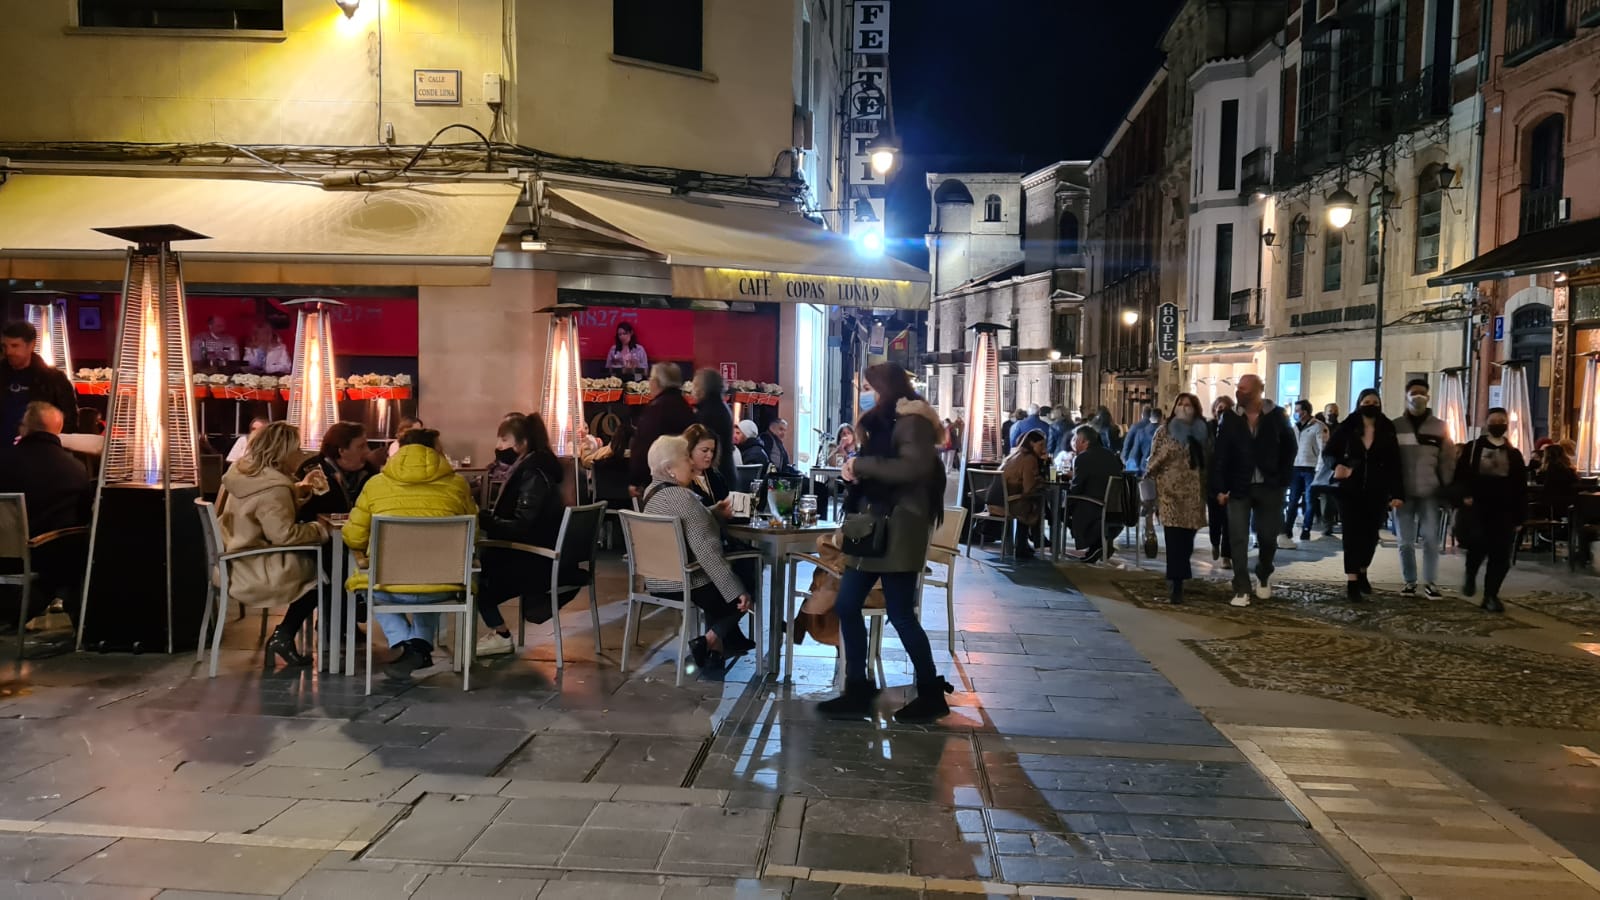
1167	332
749	285
437	87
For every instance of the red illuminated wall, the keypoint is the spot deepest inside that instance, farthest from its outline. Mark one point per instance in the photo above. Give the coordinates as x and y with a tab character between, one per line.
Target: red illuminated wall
749	340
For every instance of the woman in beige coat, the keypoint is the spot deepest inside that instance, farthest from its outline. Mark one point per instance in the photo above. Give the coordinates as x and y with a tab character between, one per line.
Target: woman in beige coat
263	501
1178	457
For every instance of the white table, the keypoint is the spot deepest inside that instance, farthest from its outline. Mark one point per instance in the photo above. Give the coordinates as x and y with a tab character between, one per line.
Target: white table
341	608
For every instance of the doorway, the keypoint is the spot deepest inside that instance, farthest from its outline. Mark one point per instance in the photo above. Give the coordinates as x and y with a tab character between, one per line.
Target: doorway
1530	340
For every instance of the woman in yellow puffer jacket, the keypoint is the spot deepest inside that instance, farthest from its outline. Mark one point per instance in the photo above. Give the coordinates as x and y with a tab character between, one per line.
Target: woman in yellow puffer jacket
416	482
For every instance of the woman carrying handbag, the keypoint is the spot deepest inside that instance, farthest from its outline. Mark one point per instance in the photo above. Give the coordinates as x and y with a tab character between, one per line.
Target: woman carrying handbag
895	499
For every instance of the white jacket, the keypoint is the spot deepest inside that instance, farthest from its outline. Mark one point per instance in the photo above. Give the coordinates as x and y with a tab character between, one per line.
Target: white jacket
1309	441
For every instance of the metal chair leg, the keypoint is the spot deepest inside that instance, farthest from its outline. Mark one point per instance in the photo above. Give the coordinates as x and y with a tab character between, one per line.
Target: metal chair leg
629	629
594	614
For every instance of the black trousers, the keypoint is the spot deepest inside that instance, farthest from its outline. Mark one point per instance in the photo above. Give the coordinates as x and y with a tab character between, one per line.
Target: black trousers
58	569
1362	521
1180	546
1217	516
721	615
1494	547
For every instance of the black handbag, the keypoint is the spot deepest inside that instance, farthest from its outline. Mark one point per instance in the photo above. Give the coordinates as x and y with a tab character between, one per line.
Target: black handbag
1469	527
865	535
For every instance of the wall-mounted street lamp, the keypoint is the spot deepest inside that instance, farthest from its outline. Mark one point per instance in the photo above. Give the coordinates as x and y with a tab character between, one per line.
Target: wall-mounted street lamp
882	151
1130	317
348	7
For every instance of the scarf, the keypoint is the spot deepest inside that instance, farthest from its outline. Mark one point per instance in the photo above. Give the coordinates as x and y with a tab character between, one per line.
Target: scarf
1192	435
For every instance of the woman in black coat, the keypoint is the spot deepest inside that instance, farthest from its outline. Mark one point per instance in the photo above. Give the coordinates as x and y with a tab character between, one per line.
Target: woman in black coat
1492	481
528	511
1366	457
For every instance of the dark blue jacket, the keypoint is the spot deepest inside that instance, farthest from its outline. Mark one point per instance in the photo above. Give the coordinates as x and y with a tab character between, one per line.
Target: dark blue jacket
1031	423
1239	453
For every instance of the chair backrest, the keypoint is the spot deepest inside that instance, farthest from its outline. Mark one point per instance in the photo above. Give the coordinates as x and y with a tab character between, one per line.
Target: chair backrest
980	482
210	528
1116	499
656	548
580	533
744	476
435	550
211	466
13	526
948	534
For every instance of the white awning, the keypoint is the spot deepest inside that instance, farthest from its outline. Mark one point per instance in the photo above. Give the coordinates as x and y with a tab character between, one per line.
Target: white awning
259	232
732	251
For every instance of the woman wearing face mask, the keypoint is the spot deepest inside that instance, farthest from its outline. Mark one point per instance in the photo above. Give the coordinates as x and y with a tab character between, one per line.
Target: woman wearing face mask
1366	463
1178	457
1493	483
1215	512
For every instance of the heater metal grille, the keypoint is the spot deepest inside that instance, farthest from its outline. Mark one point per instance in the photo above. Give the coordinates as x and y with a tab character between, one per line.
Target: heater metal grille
313	397
50	321
150	436
562	406
1514	388
985	445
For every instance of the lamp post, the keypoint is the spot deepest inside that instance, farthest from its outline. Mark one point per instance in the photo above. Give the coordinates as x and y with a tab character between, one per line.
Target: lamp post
1341	208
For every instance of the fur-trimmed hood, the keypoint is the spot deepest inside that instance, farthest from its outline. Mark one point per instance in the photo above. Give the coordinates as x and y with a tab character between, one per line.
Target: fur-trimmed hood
918	407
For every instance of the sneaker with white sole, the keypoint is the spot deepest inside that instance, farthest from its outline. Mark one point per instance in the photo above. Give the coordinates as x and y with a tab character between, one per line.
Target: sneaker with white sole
1287	542
1409	590
1240	600
493	644
1431	592
1263	591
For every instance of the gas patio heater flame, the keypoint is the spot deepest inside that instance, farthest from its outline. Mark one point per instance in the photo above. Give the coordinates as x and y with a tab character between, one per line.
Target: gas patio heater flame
1588	435
313	396
1519	415
49	318
985	441
562	403
1452	406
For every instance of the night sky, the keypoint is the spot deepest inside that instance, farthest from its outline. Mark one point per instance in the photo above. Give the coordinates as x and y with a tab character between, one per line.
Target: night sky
1009	85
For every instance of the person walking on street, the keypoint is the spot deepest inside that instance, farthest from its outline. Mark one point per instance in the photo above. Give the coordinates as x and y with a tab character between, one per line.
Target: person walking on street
1427	464
668	413
1216	513
711	410
1310	437
1493	482
1250	471
1366	458
1178	464
1136	445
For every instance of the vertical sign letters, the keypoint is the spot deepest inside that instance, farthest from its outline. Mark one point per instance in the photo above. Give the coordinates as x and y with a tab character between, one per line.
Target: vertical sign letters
1167	332
870	32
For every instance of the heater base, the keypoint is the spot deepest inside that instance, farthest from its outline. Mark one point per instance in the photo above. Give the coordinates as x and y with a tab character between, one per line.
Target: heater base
128	580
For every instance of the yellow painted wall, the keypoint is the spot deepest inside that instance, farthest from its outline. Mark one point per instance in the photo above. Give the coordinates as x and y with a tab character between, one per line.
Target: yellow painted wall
316	85
574	99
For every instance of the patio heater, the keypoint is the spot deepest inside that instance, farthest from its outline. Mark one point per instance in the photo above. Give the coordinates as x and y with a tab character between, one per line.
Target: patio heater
562	403
1588	461
313	397
1514	397
146	577
1451	405
46	311
985	442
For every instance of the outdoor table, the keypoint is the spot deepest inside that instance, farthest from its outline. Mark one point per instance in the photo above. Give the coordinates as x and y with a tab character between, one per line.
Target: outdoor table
774	543
1056	497
337	607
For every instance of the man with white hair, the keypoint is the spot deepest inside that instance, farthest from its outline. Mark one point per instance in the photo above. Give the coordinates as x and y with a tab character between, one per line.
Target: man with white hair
668	413
58	494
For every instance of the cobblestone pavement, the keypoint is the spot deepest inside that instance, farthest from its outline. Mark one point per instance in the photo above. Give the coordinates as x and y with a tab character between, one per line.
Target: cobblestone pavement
1071	768
1440	750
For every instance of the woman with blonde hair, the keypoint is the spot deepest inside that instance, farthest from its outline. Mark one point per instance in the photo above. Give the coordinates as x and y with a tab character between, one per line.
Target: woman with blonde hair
263	503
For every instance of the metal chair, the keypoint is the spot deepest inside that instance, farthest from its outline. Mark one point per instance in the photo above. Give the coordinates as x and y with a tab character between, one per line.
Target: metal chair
943	550
744	476
657	551
874	616
1583	528
16	545
405	551
576	543
220	563
1116	508
980	483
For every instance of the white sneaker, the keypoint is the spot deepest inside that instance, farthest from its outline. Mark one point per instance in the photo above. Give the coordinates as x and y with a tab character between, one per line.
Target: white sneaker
1240	600
1285	542
493	644
1263	591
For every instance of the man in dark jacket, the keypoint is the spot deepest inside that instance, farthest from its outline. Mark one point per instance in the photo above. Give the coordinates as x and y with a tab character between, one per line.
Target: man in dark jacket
668	413
26	378
1093	467
58	494
752	452
1250	471
711	410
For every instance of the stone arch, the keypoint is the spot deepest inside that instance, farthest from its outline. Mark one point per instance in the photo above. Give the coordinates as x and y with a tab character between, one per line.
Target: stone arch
1525	297
951	190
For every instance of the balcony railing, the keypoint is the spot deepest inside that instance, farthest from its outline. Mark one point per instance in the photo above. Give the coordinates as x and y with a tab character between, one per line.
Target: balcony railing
1541	208
1255	170
1244	310
1370	119
1587	12
1534	26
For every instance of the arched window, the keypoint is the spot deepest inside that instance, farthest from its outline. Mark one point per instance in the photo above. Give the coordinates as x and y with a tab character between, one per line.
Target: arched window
1297	256
1067	237
1430	219
991	208
1543	174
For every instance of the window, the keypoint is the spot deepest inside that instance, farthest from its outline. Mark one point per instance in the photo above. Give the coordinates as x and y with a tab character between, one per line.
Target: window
659	31
1222	282
1541	194
1228	147
1067	247
1374	236
1288	387
1430	219
1332	258
1297	256
1533	26
1363	374
991	208
220	15
1065	337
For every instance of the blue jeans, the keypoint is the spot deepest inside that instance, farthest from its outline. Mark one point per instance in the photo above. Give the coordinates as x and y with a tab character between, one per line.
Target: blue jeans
1420	515
1299	498
399	628
900	599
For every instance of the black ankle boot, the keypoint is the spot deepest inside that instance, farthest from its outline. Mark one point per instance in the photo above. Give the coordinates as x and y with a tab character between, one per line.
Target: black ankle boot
1175	592
1352	592
281	644
1366	586
1470	586
855	702
1492	604
930	703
